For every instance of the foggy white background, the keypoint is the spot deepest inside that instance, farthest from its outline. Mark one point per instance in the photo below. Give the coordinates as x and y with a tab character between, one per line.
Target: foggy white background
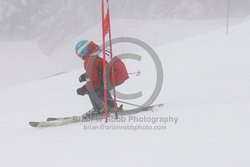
53	23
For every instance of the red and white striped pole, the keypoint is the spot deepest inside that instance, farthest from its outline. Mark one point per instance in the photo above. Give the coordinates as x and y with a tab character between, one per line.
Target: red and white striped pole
106	29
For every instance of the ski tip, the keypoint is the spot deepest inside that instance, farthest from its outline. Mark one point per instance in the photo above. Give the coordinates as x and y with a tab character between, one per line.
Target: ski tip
33	124
51	119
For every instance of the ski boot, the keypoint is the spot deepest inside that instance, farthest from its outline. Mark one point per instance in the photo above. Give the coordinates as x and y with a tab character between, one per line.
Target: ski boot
93	113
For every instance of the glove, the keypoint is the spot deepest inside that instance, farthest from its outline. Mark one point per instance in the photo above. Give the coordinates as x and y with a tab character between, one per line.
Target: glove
81	91
83	77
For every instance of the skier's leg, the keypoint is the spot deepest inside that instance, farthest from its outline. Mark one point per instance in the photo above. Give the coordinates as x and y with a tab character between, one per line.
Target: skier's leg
96	99
111	102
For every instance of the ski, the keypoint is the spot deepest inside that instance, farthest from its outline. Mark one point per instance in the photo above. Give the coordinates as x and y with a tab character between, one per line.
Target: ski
60	121
46	124
135	111
63	121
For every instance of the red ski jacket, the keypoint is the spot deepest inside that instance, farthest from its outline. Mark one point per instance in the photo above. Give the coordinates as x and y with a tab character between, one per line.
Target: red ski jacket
94	68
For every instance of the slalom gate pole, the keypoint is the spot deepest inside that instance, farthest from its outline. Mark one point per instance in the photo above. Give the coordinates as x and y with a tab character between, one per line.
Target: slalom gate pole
104	33
228	15
112	69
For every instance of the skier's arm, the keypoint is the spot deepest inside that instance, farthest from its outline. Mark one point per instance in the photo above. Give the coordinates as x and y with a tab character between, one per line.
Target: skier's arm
94	81
83	78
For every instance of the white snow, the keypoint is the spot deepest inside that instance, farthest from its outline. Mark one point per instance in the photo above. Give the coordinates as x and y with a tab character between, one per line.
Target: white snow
23	61
153	32
206	85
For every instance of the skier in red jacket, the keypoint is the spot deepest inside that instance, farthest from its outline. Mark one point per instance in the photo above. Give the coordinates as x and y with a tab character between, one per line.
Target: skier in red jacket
91	54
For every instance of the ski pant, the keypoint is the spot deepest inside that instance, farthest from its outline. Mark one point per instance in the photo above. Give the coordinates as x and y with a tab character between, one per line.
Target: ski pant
97	98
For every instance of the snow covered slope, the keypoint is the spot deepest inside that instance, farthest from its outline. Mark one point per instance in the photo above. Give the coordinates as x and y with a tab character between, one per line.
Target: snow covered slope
22	62
206	85
25	61
153	32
